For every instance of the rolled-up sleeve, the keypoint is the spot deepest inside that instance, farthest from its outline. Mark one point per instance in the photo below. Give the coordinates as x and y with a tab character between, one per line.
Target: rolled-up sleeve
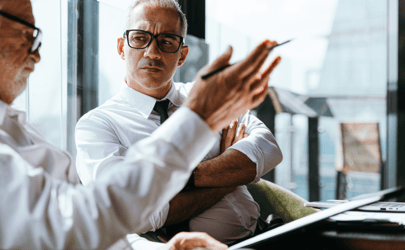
260	146
50	213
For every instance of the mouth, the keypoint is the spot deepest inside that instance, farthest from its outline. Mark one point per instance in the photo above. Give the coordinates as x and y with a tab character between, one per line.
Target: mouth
151	69
30	69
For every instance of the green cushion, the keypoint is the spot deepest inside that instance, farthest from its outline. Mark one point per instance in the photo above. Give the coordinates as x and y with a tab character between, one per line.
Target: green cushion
274	199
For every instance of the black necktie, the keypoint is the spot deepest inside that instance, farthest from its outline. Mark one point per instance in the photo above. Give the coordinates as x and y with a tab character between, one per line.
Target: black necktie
161	108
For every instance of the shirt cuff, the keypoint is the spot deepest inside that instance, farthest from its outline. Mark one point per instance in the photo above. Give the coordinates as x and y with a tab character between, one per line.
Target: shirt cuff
158	219
188	133
139	243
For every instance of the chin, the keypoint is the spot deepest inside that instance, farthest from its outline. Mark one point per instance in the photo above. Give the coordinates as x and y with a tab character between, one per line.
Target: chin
19	84
152	83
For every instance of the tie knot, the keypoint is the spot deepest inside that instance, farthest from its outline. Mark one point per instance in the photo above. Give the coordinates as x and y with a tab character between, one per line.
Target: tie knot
161	108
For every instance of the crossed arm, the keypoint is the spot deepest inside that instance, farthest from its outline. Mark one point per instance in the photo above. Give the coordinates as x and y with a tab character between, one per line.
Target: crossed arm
230	169
188	204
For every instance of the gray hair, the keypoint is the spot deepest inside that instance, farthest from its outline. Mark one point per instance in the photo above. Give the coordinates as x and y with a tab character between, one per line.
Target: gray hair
171	4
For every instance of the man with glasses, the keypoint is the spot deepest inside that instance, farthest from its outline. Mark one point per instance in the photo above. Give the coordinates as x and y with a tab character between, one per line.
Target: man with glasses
217	201
43	207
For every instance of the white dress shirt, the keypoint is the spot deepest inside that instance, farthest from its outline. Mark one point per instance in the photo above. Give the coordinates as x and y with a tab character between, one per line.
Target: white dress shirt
39	209
104	134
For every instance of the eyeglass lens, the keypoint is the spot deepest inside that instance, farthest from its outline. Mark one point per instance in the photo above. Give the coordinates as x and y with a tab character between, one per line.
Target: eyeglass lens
165	42
37	41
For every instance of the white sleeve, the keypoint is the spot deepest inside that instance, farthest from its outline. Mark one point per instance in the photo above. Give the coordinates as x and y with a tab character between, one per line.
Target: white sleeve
139	243
50	213
98	150
260	146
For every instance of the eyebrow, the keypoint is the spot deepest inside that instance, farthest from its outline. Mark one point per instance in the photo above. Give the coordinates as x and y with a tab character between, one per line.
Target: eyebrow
14	18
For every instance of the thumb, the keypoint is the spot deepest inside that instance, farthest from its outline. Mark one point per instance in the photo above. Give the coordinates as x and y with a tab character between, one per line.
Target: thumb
221	61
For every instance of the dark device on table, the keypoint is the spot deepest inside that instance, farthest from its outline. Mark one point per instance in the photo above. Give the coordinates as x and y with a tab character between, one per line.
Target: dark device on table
294	226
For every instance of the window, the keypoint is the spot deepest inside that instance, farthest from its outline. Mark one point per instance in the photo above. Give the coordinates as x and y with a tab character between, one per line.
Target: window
339	52
45	97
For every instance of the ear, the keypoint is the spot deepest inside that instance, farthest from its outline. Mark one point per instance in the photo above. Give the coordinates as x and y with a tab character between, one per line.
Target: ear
183	55
120	47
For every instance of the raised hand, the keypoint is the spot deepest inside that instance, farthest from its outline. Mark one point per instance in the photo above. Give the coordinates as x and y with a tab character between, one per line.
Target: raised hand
229	93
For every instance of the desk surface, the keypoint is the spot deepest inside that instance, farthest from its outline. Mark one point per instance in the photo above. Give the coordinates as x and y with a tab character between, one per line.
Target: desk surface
375	240
332	239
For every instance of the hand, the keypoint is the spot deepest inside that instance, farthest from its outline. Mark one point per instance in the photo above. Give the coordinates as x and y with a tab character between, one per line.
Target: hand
189	241
229	93
228	135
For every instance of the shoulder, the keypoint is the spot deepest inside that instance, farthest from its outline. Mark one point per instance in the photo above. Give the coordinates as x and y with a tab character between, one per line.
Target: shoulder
10	157
100	116
105	111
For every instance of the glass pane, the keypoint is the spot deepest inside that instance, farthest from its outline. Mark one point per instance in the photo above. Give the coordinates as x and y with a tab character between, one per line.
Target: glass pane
45	83
338	52
111	66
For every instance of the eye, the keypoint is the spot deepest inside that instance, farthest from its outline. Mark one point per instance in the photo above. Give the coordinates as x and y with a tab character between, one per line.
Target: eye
25	33
28	35
139	38
167	42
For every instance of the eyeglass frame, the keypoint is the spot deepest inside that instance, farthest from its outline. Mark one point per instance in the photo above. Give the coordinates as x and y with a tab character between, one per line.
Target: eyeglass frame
126	34
37	39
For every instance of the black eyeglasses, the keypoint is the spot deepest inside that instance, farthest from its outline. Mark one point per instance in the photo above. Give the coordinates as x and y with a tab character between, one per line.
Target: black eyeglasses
141	39
37	36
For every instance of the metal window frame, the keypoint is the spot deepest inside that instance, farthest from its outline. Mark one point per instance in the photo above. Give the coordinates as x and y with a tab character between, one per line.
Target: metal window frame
394	173
83	70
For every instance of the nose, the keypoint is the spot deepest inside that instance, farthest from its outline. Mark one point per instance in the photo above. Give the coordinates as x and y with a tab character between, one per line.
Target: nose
36	56
153	51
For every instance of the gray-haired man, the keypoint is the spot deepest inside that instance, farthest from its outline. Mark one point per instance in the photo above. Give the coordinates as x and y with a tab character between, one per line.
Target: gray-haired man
152	47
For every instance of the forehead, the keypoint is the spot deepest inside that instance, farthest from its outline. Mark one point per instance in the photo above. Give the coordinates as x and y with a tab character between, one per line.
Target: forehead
19	8
155	19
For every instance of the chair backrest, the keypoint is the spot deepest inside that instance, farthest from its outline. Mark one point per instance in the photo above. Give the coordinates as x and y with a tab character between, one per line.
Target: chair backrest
361	146
274	199
359	151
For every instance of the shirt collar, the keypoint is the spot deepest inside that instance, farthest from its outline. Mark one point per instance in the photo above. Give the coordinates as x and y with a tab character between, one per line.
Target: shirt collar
145	103
5	109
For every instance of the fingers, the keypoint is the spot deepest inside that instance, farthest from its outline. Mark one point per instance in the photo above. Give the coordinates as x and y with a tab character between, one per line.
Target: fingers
223	138
222	60
231	134
255	60
272	66
240	134
260	96
258	81
255	73
228	135
260	85
193	240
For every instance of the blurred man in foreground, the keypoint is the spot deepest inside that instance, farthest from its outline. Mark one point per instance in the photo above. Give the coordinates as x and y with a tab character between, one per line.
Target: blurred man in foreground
42	206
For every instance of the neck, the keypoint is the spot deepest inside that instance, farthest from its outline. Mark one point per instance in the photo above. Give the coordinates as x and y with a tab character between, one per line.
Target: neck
157	93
